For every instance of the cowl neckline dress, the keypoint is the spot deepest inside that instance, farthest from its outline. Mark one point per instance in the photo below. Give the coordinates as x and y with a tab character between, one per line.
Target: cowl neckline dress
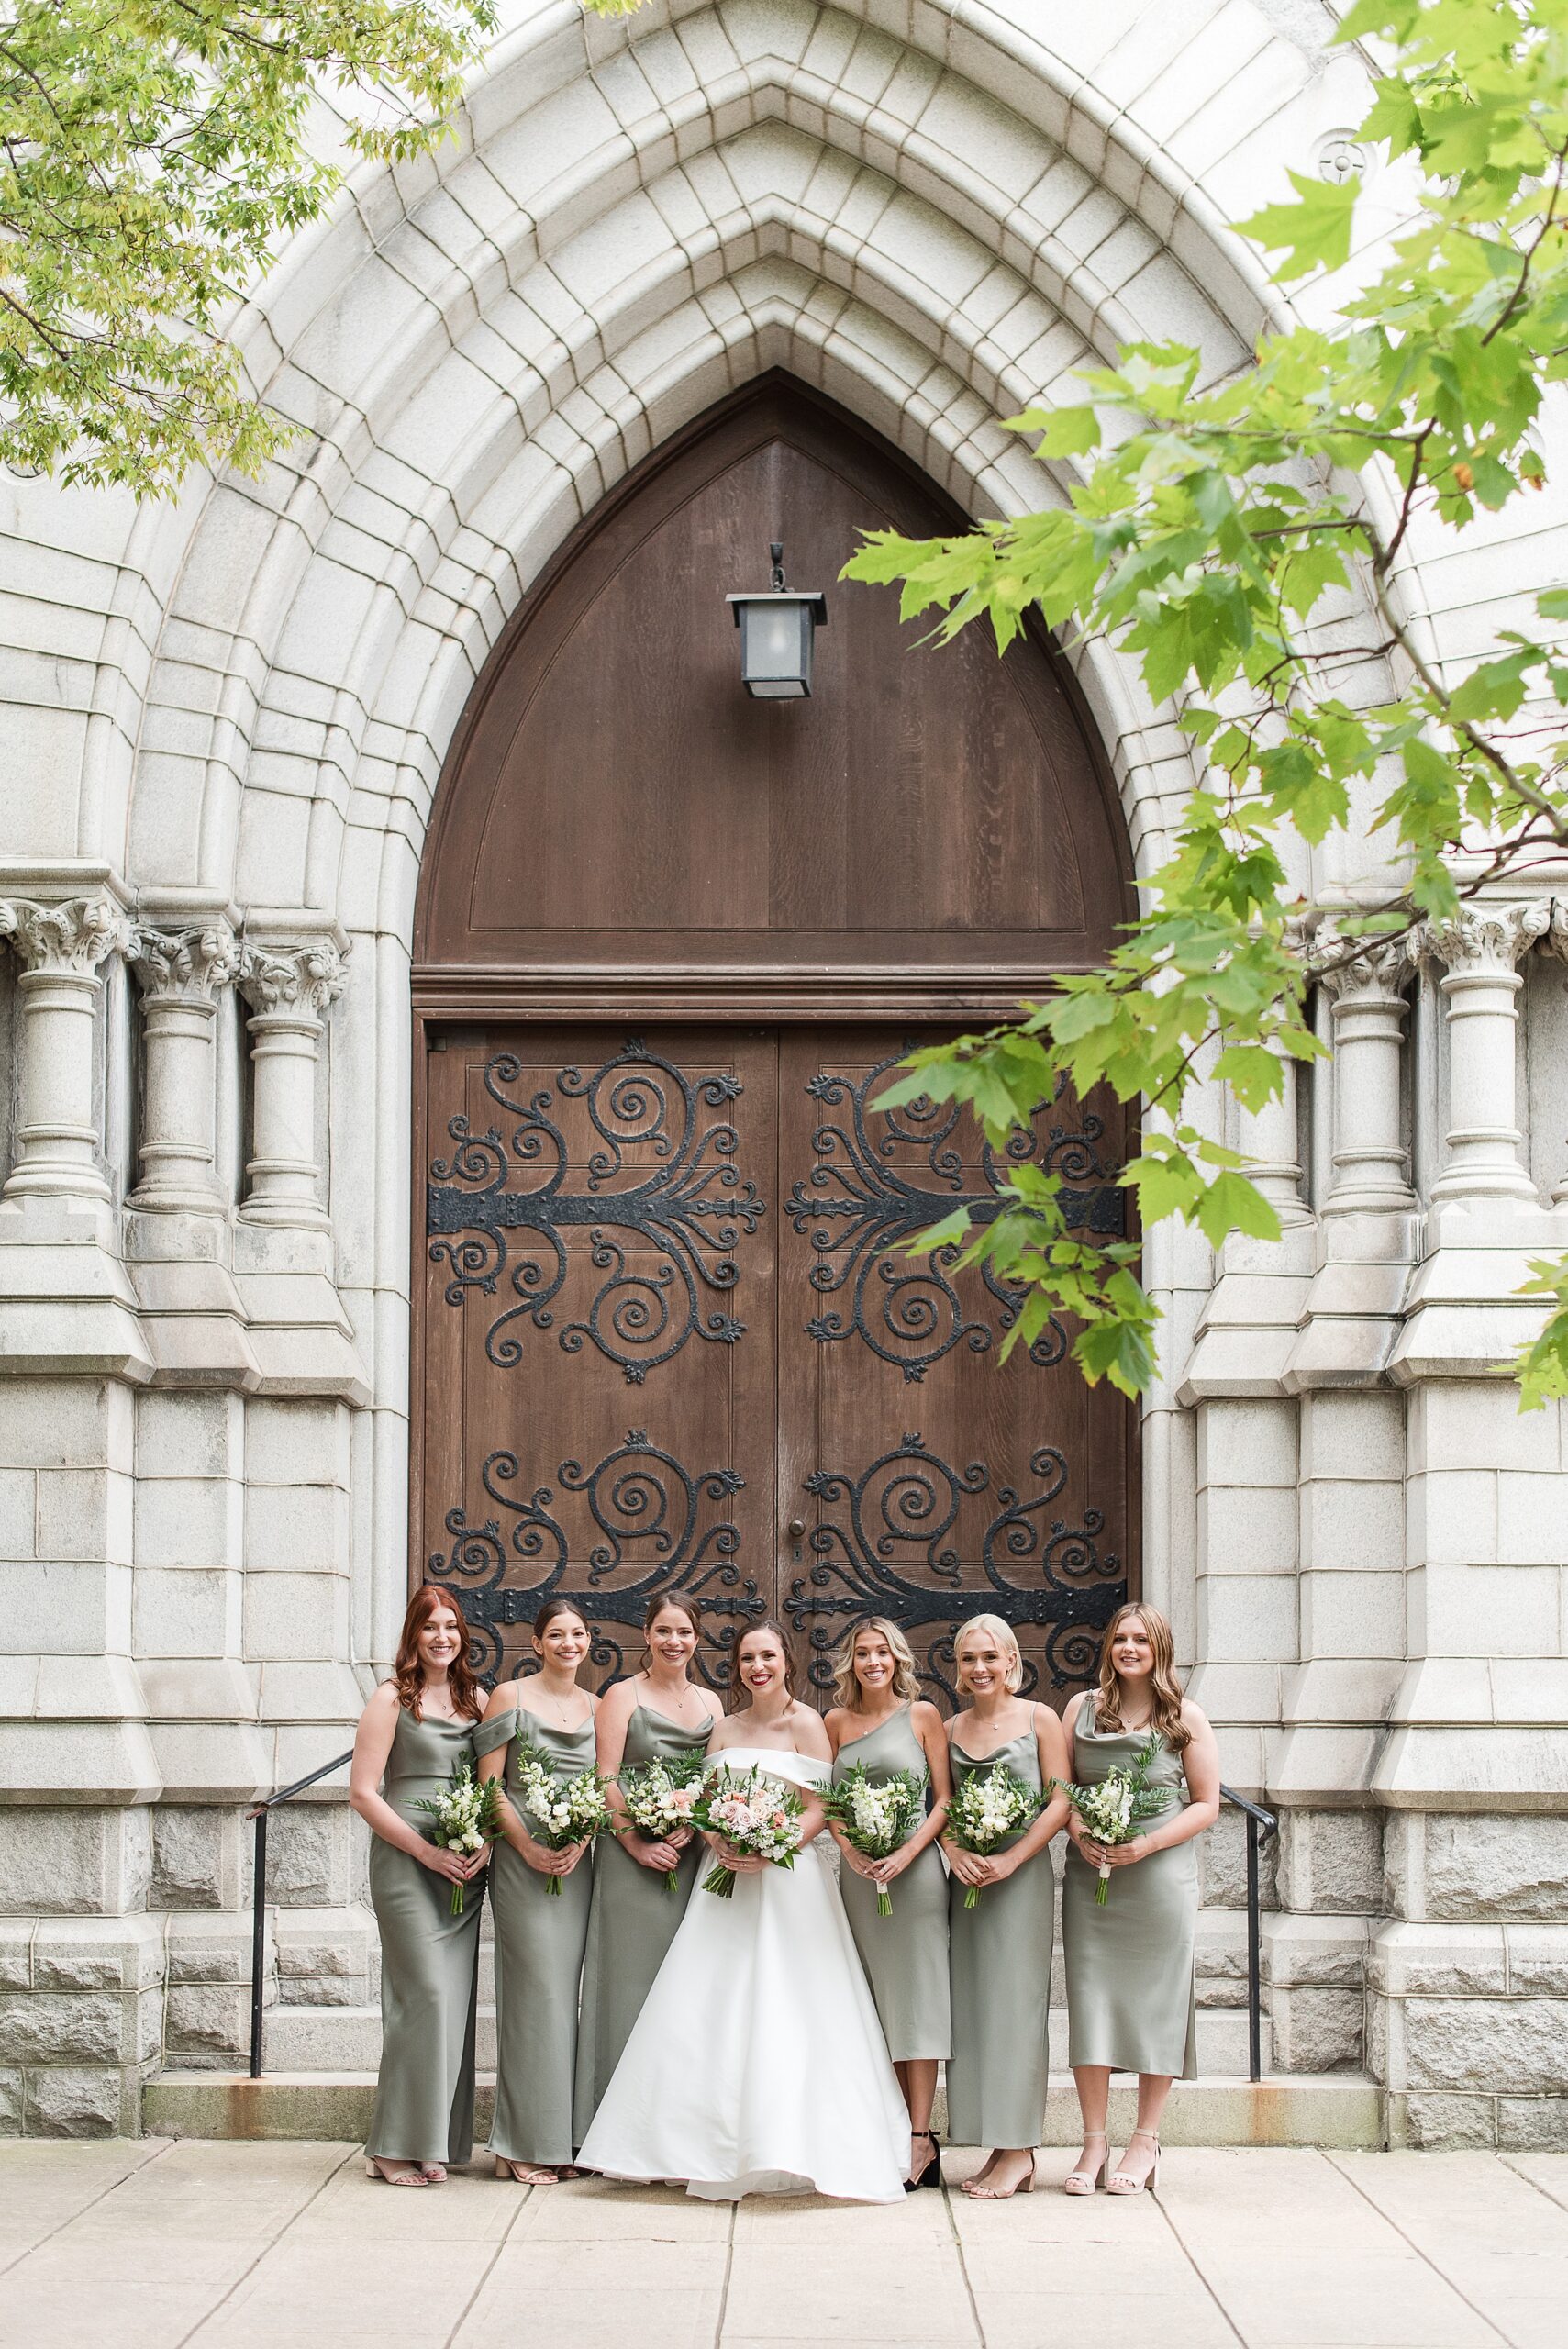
1130	1996
758	2065
429	1965
905	1955
633	1918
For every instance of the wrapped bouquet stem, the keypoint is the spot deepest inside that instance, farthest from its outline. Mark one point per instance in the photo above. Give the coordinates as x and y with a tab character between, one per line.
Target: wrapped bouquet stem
877	1815
559	1811
1114	1808
988	1807
753	1813
466	1817
658	1798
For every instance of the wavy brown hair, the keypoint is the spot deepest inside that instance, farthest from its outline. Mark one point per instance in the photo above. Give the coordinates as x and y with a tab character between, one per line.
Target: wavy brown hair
847	1689
1164	1688
408	1674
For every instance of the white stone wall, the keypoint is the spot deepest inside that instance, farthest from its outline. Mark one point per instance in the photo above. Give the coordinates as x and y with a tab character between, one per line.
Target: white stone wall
225	722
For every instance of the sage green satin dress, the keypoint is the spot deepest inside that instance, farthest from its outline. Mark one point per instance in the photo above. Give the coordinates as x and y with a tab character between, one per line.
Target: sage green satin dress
633	1919
1000	1967
429	1965
1130	2000
539	1938
905	1955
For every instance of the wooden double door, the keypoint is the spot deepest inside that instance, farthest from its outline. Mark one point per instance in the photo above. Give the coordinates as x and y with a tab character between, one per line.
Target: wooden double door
671	1341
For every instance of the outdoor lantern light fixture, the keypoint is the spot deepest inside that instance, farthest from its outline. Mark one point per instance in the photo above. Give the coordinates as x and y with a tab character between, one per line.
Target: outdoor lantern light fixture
776	632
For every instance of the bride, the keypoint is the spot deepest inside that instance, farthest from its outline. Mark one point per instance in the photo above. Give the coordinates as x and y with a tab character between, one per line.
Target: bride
758	2065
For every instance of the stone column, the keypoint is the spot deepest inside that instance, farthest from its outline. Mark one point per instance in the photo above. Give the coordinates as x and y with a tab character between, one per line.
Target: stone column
1481	951
291	986
61	947
1266	1139
180	972
1370	1166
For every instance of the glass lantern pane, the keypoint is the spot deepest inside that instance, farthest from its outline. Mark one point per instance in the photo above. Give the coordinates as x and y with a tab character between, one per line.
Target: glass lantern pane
771	635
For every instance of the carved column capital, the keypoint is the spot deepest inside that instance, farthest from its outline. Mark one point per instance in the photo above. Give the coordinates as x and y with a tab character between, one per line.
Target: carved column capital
183	966
66	940
1489	939
305	977
1379	969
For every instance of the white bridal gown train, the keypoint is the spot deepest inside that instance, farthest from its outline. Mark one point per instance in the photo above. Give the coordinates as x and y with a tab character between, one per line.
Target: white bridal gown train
758	2065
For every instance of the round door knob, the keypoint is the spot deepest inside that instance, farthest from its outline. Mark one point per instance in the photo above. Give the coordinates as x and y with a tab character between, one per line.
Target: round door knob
797	1529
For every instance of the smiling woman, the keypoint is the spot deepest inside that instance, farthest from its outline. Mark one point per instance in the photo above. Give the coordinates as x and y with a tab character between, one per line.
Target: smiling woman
417	1728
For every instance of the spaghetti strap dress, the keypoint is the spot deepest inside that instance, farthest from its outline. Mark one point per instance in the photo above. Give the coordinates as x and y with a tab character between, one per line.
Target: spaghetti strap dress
1130	2002
905	1955
539	1939
633	1918
998	2070
429	1965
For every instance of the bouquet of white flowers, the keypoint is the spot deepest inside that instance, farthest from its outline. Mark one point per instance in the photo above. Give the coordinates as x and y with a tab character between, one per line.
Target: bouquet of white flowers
988	1807
877	1815
753	1812
658	1798
1114	1811
559	1811
466	1817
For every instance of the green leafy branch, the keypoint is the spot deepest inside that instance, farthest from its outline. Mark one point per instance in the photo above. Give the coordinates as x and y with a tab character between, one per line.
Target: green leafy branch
1243	541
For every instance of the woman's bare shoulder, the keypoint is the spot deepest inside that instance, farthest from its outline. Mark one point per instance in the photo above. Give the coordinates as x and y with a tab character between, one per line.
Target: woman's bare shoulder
810	1733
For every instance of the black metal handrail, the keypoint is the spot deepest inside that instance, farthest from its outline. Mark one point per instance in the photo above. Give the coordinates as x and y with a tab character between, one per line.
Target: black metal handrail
258	1895
1261	1825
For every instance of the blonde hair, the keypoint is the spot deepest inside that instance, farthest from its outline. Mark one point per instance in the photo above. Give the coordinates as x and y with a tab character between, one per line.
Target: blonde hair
1164	1688
1005	1638
847	1689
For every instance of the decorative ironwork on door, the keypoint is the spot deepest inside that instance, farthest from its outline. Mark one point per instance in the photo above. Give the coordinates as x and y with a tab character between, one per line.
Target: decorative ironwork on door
860	1206
644	1520
687	1215
892	1546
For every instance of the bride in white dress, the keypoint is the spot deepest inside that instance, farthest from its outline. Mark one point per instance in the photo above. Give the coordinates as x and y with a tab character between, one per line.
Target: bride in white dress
758	2065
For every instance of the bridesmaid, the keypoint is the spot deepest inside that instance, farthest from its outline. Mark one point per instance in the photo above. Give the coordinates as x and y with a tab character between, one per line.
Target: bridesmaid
1129	1964
656	1716
1001	1947
415	1728
539	1935
881	1719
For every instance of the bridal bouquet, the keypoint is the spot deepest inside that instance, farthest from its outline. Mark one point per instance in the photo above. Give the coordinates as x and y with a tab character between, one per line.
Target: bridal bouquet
753	1812
659	1800
559	1811
466	1817
875	1816
1114	1811
988	1807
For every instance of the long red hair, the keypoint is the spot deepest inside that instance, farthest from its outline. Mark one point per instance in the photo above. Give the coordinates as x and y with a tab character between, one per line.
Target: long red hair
406	1669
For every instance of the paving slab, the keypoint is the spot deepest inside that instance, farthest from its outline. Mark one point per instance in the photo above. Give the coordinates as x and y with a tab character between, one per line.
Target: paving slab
287	2245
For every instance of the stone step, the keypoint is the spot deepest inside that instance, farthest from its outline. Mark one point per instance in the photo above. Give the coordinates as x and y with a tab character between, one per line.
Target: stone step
1293	2109
348	2039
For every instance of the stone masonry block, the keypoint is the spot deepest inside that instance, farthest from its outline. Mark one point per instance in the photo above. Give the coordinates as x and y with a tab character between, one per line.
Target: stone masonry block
98	1954
1358	1526
1242	1532
295	1618
1330	1860
18	1507
189	1522
1352	1437
1352	1615
1249	1618
1533	2123
1244	1442
213	1947
1481	1866
84	1513
1475	1423
296	1442
70	1861
16	1953
288	1527
54	1608
185	1612
1315	1953
207	2022
1486	2044
1532	1524
1317	2031
1222	1864
1442	2124
84	2027
197	1857
1456	1610
10	2102
1439	1960
75	2102
1537	1959
310	1859
181	1432
64	1422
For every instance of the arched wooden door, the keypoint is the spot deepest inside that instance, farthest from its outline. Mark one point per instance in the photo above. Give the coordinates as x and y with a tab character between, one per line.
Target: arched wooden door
667	941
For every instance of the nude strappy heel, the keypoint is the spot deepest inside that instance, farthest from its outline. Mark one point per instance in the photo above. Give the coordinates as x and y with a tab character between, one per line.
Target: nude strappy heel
1119	2182
402	2177
1079	2180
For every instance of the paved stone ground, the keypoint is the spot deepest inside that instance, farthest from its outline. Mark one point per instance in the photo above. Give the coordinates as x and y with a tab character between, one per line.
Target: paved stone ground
152	2244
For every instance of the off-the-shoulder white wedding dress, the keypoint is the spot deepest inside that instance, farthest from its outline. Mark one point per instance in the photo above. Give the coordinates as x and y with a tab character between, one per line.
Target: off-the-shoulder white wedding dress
758	2065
